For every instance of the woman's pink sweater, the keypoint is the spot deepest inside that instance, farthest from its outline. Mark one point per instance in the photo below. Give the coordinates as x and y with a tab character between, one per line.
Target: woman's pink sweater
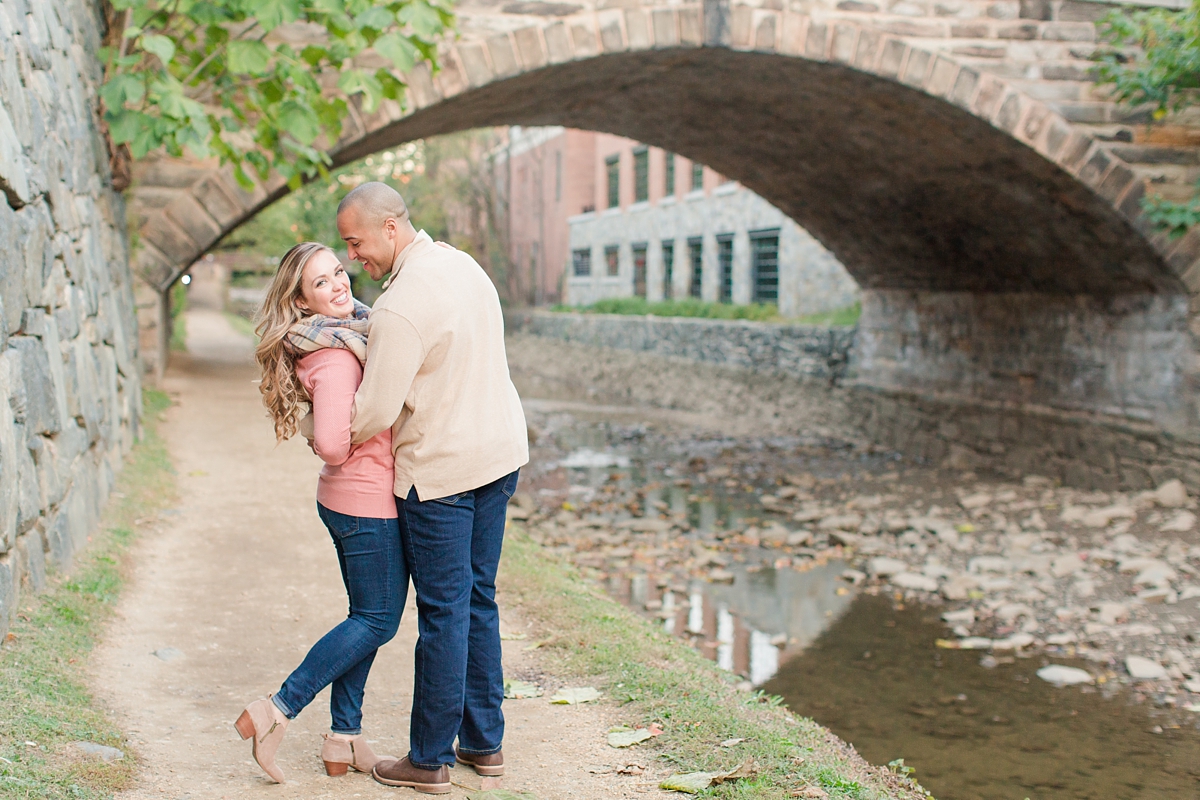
356	479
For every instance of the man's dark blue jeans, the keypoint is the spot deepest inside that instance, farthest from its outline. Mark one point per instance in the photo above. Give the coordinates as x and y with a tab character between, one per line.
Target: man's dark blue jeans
376	578
452	546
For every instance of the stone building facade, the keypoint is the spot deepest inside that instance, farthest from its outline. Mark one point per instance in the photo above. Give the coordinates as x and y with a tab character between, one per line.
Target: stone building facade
664	227
69	374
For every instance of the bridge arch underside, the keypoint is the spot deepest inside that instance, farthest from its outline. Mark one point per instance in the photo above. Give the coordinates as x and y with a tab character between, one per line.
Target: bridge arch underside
990	275
908	190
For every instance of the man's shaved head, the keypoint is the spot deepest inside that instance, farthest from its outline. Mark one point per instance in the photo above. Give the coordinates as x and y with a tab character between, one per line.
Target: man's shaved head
373	222
375	202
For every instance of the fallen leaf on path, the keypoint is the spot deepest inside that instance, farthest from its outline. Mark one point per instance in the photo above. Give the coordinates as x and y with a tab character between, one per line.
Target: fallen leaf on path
732	742
814	792
694	782
520	690
574	696
623	736
632	769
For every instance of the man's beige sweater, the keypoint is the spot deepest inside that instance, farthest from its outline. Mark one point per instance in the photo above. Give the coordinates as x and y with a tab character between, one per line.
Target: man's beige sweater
437	374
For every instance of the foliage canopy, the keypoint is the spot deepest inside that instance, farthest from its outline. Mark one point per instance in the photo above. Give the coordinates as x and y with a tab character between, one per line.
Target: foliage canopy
1165	75
216	77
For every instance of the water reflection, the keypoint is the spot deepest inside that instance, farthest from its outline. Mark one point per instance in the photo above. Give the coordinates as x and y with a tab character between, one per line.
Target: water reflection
749	626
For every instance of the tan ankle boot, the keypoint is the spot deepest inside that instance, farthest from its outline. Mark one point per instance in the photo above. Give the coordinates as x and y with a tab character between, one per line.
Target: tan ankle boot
342	751
264	724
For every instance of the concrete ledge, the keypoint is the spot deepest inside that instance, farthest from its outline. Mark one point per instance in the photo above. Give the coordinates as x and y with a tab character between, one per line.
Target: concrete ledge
803	351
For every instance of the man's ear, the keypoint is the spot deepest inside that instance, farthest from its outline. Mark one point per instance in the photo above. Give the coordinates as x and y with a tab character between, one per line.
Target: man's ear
390	228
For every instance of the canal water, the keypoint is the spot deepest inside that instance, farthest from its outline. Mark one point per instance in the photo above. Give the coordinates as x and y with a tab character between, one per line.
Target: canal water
973	726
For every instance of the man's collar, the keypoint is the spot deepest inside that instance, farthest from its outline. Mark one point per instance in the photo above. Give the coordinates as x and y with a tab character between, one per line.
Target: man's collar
421	236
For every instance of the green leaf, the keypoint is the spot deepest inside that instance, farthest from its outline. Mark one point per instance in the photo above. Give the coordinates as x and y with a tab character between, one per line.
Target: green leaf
396	47
376	18
423	18
273	13
161	46
299	121
248	58
574	696
122	88
628	737
124	125
356	81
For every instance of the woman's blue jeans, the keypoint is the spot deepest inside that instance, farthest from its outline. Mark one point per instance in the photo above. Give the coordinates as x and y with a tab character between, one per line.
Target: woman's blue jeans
452	546
376	577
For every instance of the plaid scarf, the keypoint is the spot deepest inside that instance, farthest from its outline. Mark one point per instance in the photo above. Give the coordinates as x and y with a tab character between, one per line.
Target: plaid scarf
319	331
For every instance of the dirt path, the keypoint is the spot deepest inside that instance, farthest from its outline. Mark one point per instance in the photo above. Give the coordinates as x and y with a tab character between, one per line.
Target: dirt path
235	585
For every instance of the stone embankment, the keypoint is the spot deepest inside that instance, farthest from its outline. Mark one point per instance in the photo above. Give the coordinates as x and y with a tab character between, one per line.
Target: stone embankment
840	377
69	374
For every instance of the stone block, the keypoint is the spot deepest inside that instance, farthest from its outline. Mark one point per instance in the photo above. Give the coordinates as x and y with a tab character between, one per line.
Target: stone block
815	42
8	594
665	26
845	40
504	59
583	36
529	47
30	555
33	398
867	49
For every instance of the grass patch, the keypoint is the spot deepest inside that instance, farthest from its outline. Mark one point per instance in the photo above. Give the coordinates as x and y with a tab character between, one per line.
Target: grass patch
656	678
687	307
242	325
43	694
691	307
842	317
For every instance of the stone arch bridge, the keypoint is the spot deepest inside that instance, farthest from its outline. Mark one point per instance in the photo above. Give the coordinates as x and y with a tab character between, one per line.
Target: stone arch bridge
953	154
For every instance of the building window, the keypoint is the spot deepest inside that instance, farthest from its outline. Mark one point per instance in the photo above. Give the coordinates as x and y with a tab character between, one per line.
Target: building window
696	258
558	176
697	176
641	175
764	265
639	270
612	167
612	260
725	267
581	262
669	175
668	254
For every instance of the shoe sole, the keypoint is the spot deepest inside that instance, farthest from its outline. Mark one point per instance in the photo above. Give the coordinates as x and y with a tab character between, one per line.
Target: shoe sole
423	788
486	772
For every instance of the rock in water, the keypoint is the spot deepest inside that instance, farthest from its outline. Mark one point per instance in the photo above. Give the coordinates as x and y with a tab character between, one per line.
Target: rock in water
1063	676
885	567
1171	494
913	580
1143	669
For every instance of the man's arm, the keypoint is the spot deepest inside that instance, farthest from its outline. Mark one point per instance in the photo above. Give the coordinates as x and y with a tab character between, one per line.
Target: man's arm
394	355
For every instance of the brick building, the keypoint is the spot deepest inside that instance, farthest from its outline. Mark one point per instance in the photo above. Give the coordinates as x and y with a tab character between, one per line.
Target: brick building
592	215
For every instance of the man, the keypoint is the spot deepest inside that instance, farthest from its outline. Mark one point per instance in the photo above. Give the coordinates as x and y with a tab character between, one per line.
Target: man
437	375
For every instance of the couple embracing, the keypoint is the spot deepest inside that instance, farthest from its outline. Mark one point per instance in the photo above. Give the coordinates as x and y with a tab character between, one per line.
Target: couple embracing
422	435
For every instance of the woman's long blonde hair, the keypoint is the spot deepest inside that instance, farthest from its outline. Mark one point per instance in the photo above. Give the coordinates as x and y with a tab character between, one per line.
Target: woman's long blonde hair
282	393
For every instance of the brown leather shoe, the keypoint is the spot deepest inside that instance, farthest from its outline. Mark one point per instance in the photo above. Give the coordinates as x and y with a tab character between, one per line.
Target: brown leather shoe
489	765
403	773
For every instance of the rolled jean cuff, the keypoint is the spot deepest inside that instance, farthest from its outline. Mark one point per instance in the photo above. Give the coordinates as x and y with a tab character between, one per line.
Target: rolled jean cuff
282	706
489	752
353	732
430	767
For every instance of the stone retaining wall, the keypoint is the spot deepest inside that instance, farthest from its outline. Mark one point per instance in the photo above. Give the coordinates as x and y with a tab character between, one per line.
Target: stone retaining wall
69	373
962	429
803	351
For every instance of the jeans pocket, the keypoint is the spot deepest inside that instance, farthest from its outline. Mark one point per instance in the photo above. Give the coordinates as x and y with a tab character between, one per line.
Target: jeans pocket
448	500
339	524
509	487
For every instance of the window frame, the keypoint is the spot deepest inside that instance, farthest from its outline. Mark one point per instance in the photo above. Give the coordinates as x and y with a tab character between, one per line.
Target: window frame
581	256
612	172
668	261
612	261
756	237
697	177
641	174
668	174
696	265
640	249
725	268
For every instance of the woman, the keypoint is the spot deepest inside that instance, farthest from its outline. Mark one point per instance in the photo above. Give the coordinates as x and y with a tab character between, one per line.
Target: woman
313	340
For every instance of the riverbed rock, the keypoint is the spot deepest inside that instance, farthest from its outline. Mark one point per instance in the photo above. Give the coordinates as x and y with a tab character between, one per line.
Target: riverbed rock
1181	522
1061	675
964	616
1171	494
841	522
1066	565
989	564
959	587
884	567
1112	613
1143	669
1103	517
914	580
1155	575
